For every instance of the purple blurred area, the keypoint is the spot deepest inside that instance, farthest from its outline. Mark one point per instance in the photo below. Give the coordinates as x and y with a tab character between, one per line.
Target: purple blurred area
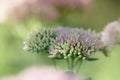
43	73
48	9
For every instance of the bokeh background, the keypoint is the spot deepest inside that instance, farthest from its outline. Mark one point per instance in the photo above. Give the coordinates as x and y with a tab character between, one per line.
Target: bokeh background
19	17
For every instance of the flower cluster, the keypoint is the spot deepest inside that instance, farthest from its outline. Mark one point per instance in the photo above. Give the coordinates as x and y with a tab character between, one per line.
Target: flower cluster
75	42
63	43
70	44
110	34
39	40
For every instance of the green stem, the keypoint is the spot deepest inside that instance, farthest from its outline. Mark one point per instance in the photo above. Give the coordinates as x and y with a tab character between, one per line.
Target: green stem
68	64
77	61
79	65
54	63
72	64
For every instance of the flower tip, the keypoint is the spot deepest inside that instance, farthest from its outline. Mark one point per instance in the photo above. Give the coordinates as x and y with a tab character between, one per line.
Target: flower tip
25	47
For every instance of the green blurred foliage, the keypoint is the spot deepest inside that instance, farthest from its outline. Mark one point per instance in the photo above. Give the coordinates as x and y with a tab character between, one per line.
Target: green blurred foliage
13	58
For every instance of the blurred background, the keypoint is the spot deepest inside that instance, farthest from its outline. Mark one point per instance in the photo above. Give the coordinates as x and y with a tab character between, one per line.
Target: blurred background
19	17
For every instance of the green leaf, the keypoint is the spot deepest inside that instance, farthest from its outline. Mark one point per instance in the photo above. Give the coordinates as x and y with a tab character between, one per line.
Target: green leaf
91	59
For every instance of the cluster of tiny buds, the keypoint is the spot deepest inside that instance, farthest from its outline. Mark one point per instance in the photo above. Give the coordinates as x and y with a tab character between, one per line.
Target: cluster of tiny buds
64	42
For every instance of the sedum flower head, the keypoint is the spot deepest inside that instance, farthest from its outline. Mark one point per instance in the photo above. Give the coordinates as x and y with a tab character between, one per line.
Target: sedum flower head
64	42
39	40
75	42
110	34
71	44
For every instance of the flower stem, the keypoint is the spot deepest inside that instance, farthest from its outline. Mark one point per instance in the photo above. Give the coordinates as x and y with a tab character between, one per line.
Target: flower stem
68	64
72	64
54	63
79	65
